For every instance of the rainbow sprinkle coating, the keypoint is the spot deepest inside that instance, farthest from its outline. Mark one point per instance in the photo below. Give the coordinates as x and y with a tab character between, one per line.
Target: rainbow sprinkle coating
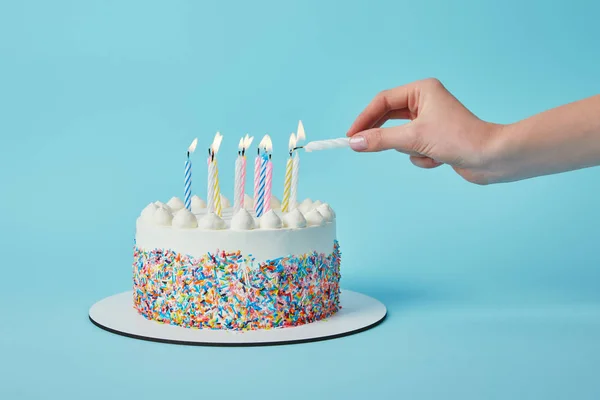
226	290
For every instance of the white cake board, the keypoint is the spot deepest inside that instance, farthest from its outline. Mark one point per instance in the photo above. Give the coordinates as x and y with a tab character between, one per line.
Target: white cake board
117	315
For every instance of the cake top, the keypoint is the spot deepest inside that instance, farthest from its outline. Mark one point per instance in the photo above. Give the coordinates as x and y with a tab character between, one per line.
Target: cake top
174	214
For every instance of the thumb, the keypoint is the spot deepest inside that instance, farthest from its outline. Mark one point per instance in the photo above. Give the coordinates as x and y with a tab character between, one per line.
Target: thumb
400	138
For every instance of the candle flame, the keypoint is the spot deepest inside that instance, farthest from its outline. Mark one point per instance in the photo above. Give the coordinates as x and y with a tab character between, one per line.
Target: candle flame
266	143
248	141
193	146
216	143
292	142
300	135
241	144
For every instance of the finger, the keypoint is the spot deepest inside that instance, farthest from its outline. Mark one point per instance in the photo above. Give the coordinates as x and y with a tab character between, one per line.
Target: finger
400	138
395	114
424	162
389	100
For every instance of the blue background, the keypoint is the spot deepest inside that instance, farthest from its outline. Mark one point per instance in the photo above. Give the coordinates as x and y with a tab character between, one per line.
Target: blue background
492	291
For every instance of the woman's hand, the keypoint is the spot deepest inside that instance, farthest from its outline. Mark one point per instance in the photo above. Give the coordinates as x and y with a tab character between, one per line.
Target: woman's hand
441	130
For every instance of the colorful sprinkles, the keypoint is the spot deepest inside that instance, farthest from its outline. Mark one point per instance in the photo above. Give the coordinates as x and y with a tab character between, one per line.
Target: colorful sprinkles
226	290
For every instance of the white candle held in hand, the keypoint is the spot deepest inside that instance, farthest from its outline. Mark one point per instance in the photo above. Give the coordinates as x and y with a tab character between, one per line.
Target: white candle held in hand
327	144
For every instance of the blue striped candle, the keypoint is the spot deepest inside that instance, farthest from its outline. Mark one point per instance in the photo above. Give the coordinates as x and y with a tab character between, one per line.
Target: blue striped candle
187	181
262	183
187	192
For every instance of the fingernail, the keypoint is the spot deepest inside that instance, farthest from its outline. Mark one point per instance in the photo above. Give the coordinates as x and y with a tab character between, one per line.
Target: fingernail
358	143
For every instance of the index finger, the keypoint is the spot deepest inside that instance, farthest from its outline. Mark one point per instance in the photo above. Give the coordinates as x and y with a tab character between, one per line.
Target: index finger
385	102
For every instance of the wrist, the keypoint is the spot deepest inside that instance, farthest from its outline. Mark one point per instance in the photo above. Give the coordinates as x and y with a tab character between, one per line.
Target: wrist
507	153
497	153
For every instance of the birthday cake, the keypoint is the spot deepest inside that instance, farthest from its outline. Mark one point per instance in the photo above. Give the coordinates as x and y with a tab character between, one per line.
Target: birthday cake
195	269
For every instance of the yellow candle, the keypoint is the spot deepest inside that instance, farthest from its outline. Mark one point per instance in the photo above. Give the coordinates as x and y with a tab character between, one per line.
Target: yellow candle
217	192
287	185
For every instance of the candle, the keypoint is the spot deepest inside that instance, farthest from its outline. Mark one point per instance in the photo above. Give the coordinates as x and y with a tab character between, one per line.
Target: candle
296	168
239	167
261	201
327	144
257	162
218	209
269	184
240	174
187	181
287	183
214	192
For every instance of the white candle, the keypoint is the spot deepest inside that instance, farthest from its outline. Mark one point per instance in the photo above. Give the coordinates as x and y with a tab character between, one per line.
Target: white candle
237	189
327	144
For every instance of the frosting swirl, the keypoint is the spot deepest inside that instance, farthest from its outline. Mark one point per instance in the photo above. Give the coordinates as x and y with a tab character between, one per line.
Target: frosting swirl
270	220
148	212
225	202
305	206
211	221
242	221
248	202
163	215
197	204
185	219
275	202
316	204
294	219
314	218
175	203
326	211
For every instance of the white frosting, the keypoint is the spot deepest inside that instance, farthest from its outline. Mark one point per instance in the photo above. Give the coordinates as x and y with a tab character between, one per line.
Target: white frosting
316	204
305	206
175	203
197	204
163	215
275	202
326	212
211	221
270	220
163	231
225	202
248	202
148	212
263	244
294	219
315	218
185	219
161	204
242	221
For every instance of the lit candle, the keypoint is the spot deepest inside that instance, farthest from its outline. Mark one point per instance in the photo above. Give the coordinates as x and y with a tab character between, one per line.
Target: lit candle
240	174
269	183
214	191
187	181
296	168
262	180
287	183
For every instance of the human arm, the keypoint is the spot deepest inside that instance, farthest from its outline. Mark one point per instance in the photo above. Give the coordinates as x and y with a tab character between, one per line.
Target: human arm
442	131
